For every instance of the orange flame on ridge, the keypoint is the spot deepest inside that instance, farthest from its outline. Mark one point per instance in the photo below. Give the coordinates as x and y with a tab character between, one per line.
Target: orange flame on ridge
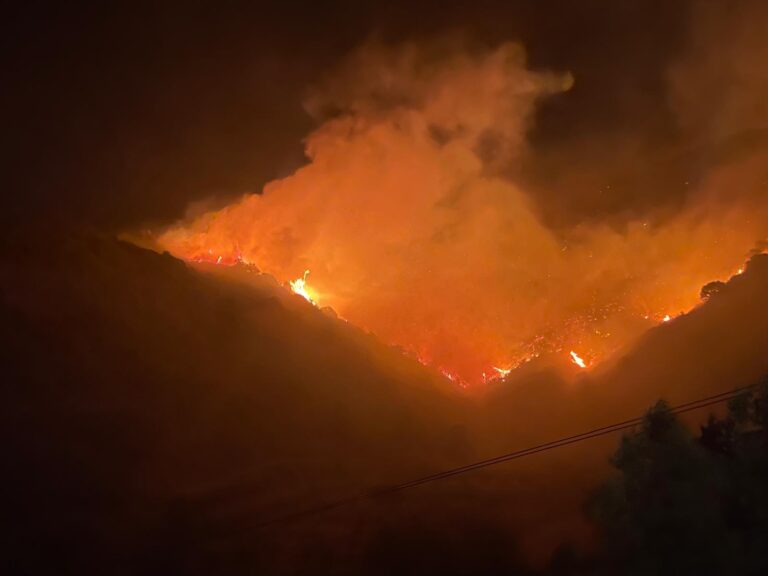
576	359
299	286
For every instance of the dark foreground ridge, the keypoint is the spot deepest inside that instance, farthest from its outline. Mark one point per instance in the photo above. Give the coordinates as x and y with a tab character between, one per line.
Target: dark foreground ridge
154	414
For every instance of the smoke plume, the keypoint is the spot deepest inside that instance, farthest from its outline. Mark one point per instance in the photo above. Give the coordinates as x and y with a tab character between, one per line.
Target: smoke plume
413	222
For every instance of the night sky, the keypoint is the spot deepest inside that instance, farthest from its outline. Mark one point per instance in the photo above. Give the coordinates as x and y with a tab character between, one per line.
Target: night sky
125	113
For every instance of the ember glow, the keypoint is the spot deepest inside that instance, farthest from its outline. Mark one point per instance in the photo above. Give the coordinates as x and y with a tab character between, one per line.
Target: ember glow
299	286
502	372
577	360
415	228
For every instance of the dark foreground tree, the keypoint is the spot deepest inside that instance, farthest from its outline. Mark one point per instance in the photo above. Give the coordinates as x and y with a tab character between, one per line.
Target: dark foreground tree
686	505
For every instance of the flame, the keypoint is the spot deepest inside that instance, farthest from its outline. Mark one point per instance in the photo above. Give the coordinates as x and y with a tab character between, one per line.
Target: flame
576	359
503	372
423	243
299	286
666	318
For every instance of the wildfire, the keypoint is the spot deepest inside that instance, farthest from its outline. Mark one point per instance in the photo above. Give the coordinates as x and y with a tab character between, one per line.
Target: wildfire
576	359
503	372
299	286
426	245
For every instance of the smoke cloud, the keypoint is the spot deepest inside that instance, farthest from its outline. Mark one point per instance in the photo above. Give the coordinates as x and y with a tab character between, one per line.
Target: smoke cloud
414	223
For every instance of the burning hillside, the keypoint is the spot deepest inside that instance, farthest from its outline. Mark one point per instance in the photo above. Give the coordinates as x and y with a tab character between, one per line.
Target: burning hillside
414	225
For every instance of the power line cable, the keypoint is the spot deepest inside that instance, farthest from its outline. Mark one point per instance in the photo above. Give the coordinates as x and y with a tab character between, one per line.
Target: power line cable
687	407
560	442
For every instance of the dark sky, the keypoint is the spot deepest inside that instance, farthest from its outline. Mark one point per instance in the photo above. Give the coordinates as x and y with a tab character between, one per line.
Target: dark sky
121	114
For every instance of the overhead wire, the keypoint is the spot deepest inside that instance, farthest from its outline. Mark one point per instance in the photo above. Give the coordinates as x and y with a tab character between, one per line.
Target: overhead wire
514	455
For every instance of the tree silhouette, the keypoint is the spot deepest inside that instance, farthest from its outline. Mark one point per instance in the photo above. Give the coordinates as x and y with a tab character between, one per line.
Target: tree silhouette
686	505
711	289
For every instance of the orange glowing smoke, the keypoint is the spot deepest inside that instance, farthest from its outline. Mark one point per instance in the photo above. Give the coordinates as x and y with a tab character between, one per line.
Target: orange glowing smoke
412	233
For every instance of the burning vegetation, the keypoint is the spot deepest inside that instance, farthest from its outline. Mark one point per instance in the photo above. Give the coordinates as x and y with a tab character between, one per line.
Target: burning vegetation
414	224
299	286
